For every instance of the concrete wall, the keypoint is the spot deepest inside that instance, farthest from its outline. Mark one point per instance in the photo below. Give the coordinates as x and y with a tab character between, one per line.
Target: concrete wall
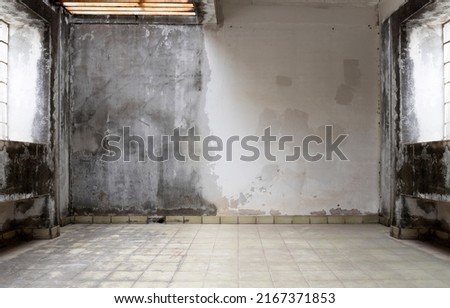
146	77
415	177
294	68
424	176
25	181
33	174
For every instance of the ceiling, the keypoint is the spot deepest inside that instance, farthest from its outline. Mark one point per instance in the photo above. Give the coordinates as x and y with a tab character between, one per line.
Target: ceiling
130	7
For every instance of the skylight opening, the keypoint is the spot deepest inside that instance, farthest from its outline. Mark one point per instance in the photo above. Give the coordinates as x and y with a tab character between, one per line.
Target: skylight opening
130	7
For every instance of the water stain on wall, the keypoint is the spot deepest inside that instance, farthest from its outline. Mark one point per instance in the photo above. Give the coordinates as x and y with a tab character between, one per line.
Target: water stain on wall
284	81
150	82
352	79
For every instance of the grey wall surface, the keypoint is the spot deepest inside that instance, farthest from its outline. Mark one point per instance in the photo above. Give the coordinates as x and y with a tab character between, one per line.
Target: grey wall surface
34	174
295	68
146	77
415	178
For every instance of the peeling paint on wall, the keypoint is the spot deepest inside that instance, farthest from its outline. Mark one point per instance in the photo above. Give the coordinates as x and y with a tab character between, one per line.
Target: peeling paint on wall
237	79
282	72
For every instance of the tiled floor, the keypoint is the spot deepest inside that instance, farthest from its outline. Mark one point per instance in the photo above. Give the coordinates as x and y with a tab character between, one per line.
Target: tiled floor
225	256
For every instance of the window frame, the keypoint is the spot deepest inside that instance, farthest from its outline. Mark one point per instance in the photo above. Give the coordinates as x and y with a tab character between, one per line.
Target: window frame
4	41
446	71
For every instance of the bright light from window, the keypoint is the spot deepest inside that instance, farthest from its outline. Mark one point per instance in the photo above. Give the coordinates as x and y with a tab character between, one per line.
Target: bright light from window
130	7
446	42
4	80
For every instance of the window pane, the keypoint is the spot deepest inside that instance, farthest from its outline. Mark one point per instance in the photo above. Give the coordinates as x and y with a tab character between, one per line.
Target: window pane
3	72
3	93
3	52
447	72
447	113
446	32
3	113
3	32
447	93
447	131
3	131
447	52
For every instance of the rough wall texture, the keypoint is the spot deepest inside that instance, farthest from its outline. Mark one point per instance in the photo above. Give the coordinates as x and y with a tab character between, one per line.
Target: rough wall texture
25	183
150	79
296	69
415	179
34	176
293	68
24	170
424	185
389	133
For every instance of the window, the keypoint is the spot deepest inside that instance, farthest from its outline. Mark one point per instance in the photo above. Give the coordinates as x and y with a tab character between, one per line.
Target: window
25	69
4	80
130	7
446	42
425	79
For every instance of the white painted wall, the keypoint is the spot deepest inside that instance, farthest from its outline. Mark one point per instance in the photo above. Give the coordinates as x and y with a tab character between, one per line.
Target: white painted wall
283	66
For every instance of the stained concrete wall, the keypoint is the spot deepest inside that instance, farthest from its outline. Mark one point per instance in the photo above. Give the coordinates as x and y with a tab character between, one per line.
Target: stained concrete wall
294	68
33	185
146	77
424	186
415	177
424	177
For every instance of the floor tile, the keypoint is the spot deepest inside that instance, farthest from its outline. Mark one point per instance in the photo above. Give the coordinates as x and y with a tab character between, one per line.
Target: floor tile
151	284
325	284
221	276
116	284
124	276
298	283
319	275
222	256
189	276
156	276
360	284
92	275
254	276
256	284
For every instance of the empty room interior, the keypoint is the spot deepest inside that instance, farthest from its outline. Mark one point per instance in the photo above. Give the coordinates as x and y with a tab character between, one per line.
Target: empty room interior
224	143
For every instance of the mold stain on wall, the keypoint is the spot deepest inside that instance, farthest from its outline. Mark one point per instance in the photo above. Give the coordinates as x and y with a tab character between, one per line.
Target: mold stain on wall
153	86
237	79
421	174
